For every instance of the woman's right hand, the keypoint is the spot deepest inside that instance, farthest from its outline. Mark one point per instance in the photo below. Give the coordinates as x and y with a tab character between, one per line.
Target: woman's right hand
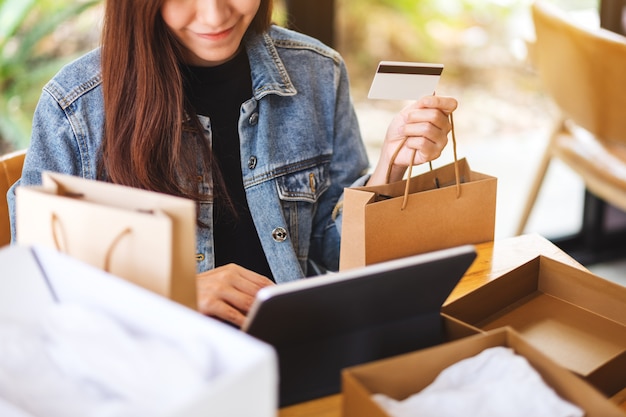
227	292
423	127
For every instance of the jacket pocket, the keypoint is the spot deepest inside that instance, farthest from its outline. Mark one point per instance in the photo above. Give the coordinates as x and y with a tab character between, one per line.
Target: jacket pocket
305	185
300	192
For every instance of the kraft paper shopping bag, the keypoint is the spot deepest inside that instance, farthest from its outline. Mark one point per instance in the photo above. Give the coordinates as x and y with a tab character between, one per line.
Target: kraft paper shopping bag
444	207
145	237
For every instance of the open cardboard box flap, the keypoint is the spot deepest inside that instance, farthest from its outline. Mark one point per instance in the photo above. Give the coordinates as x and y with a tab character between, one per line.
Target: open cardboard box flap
404	375
576	318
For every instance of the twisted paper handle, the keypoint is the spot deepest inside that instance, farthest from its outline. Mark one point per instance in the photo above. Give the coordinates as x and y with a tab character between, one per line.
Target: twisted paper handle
56	225
408	181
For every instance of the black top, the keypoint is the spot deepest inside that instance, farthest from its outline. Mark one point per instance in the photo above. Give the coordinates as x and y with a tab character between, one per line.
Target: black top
218	92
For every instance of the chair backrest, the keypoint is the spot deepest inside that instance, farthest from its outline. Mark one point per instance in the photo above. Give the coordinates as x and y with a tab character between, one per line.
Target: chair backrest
10	171
583	69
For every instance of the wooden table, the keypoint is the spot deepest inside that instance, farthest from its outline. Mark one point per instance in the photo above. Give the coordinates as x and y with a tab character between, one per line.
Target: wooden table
493	260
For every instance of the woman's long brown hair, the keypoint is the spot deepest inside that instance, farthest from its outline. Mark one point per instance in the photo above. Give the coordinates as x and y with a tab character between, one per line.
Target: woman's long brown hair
144	103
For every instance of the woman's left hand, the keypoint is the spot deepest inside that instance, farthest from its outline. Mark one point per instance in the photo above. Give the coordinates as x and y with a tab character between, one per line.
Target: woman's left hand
425	125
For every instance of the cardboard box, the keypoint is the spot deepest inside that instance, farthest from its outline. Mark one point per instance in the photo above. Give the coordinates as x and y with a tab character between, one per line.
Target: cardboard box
404	375
574	317
34	278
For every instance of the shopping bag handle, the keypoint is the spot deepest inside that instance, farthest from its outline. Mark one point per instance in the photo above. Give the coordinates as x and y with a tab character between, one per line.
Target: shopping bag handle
408	180
63	248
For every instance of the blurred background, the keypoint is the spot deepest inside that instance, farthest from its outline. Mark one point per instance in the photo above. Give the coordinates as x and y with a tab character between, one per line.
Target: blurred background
480	42
501	124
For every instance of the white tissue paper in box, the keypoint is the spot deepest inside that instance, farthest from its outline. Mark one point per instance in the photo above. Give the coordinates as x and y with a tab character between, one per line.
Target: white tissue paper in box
76	341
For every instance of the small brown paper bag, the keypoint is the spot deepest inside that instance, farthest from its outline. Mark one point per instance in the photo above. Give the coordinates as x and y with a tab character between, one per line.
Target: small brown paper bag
145	237
445	207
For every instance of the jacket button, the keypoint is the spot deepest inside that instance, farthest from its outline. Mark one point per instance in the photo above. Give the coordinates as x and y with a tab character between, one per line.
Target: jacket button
199	257
252	162
279	234
254	119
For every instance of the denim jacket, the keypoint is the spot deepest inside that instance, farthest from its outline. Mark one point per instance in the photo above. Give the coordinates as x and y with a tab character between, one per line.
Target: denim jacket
300	146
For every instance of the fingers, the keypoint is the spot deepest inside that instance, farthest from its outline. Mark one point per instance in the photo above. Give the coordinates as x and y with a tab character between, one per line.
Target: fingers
425	149
421	128
427	124
429	110
227	292
442	103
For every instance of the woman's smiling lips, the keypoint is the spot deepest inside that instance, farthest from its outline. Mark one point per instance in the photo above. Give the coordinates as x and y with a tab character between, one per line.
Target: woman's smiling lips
216	36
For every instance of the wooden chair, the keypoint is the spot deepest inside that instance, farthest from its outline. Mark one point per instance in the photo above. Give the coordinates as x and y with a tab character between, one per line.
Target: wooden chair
10	171
583	70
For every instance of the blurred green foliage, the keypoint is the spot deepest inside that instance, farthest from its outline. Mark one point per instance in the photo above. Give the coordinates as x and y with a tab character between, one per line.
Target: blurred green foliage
463	34
38	36
418	30
32	48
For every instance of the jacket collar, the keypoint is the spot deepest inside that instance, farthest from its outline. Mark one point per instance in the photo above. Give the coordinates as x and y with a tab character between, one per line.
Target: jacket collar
269	75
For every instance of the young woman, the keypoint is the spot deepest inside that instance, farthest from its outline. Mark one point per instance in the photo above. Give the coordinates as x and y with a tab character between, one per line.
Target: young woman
205	99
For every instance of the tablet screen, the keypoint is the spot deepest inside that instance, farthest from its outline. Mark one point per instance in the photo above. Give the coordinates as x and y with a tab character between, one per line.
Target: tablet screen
323	324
